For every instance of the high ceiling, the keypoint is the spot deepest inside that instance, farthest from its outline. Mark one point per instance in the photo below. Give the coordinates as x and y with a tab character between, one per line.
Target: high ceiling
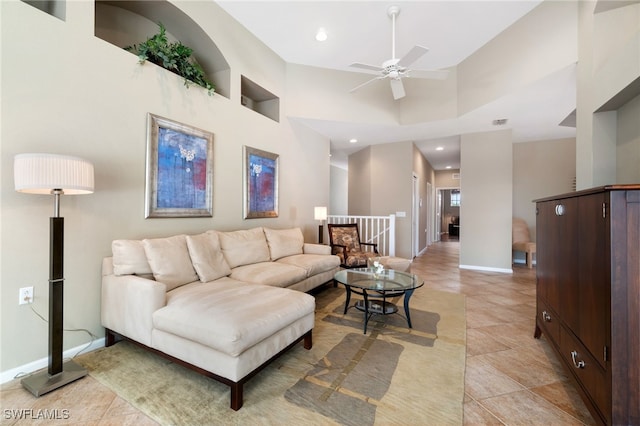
361	31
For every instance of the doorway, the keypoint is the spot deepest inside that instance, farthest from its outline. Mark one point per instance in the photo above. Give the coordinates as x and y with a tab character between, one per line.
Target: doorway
448	213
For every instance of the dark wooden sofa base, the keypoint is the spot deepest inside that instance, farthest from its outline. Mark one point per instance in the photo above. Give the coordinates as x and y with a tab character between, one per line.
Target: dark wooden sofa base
112	338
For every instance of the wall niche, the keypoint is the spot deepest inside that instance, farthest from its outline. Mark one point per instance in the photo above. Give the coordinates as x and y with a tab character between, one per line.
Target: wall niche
124	23
57	8
258	99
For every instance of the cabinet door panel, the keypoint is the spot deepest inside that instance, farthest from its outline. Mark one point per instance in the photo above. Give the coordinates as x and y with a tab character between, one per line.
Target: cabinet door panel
556	255
594	275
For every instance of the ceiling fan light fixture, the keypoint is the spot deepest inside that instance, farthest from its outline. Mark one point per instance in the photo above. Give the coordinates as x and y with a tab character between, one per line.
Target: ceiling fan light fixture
395	69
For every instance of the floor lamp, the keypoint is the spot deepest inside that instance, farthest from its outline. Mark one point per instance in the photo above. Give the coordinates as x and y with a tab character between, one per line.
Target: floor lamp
54	175
320	213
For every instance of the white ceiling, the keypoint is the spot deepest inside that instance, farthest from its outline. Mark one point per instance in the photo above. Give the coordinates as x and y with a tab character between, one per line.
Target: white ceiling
360	31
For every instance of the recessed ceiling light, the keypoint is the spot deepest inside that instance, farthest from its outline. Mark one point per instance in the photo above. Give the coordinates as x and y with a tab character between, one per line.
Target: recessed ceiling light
440	148
321	35
354	140
448	167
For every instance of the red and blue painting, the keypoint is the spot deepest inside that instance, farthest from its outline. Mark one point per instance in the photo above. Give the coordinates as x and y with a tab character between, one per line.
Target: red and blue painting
261	183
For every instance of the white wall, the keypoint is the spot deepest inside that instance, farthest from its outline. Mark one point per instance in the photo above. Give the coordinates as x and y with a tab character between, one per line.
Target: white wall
66	91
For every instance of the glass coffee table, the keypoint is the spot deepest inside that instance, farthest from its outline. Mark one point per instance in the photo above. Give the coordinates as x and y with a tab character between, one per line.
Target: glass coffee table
376	287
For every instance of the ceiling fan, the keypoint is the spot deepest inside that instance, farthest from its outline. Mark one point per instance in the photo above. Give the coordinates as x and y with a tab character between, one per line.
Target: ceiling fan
395	69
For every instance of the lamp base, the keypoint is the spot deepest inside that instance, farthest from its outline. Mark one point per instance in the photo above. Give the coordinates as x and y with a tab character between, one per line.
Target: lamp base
40	383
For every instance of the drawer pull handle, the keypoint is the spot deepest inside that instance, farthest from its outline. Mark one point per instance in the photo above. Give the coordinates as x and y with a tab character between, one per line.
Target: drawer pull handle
546	316
579	364
560	210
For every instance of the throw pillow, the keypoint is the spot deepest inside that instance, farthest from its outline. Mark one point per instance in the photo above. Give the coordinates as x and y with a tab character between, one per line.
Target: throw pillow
207	257
170	261
284	242
129	258
244	247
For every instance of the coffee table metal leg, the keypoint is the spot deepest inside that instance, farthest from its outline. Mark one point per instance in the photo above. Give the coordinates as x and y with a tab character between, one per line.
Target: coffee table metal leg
366	309
407	296
346	304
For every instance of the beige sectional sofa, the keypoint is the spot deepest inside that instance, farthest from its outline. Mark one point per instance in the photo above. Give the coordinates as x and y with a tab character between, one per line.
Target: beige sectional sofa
221	303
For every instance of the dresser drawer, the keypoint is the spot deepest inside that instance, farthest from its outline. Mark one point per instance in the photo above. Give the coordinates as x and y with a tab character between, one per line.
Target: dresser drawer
590	375
547	320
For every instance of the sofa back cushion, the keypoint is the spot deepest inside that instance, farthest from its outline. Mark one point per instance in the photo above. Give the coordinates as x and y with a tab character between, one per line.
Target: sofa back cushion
244	247
129	258
284	242
206	256
170	261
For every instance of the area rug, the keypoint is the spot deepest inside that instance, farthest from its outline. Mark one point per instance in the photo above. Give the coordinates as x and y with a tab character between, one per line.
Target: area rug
390	375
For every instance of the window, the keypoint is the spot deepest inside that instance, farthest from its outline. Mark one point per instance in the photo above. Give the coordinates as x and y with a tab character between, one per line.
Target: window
455	198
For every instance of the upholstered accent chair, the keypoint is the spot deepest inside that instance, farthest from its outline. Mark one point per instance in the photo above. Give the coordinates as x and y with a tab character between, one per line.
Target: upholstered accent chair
521	240
345	242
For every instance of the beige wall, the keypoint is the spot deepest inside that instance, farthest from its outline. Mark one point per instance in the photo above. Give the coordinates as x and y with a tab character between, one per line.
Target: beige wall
339	191
609	52
539	44
486	168
541	169
381	183
66	91
444	179
628	142
360	183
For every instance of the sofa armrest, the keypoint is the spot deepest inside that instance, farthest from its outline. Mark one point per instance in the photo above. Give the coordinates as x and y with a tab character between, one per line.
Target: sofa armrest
310	248
128	303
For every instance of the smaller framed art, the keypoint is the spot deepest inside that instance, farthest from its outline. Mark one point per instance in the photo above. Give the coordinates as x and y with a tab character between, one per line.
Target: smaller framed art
260	183
179	170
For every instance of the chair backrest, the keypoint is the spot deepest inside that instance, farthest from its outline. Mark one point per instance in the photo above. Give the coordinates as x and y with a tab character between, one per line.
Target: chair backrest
345	235
520	231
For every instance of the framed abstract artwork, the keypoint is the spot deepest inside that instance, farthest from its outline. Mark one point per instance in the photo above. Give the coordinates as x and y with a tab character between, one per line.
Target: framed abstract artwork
179	170
260	183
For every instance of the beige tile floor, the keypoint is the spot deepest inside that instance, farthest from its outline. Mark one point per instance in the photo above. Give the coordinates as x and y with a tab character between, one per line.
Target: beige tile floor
511	378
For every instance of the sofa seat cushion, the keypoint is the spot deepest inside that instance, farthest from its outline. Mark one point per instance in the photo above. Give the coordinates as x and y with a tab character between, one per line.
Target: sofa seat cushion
313	264
269	273
228	315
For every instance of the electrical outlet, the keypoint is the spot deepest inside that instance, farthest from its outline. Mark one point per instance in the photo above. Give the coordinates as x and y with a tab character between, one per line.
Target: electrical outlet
26	295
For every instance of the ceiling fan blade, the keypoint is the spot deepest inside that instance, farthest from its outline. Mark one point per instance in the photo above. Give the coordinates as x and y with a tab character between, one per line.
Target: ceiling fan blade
364	84
413	55
433	74
367	67
397	88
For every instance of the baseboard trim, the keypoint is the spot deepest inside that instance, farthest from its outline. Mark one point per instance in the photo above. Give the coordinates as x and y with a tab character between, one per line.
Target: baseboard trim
26	369
486	269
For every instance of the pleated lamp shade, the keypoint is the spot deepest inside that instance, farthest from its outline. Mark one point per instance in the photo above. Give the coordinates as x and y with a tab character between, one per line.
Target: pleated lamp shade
42	173
320	213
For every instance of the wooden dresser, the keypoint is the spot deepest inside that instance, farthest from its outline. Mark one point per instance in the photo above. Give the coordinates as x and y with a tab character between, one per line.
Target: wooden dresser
588	294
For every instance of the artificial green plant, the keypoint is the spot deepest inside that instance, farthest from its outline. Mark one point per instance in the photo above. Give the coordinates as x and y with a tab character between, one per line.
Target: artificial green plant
175	57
